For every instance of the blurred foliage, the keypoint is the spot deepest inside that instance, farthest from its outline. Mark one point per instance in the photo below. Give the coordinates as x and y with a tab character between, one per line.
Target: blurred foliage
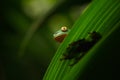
27	26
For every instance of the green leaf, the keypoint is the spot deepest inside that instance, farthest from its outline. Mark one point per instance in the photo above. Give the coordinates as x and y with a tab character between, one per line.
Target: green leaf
101	16
101	62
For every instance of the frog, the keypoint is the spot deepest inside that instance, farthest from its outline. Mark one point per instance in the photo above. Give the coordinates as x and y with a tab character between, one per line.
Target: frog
77	49
61	34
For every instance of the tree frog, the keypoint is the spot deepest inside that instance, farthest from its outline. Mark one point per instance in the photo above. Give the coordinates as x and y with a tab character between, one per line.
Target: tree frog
77	49
61	34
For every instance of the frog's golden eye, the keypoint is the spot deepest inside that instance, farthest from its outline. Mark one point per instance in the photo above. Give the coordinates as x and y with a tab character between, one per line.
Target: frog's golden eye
61	34
64	28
